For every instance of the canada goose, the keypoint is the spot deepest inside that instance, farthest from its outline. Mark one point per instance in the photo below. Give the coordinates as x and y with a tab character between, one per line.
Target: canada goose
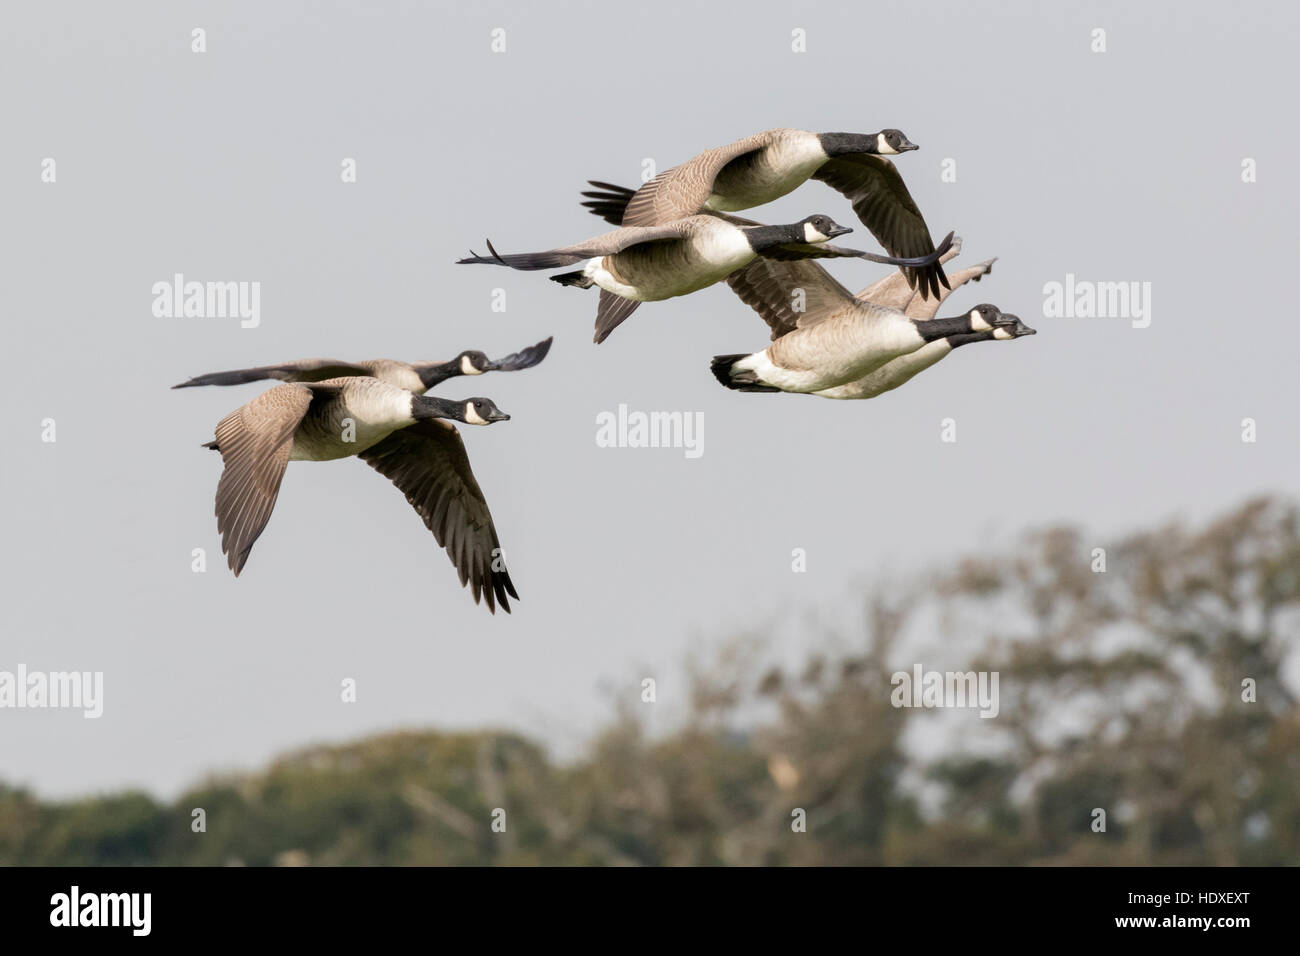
397	432
823	336
902	370
768	165
639	264
893	291
413	376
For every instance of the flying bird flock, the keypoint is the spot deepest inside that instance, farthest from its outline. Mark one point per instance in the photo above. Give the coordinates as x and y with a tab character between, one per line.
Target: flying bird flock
674	235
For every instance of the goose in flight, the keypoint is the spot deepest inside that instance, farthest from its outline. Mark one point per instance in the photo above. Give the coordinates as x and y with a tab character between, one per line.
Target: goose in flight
823	336
635	264
416	377
893	291
404	436
768	165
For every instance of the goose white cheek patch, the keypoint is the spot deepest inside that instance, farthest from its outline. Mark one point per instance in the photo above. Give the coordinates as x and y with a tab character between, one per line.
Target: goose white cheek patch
472	417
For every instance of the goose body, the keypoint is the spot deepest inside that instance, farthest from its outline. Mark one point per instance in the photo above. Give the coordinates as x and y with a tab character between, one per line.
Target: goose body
902	370
774	164
405	436
768	165
374	408
824	336
845	347
653	271
416	377
635	264
893	291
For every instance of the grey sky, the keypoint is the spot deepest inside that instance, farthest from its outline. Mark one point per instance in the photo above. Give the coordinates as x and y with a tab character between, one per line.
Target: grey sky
1124	165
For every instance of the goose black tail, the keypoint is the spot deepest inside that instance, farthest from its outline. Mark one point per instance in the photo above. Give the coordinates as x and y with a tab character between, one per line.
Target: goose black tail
608	201
577	279
743	381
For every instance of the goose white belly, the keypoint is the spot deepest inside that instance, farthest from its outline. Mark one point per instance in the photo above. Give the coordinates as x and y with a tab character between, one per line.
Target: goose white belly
834	354
369	413
777	171
892	374
326	444
709	257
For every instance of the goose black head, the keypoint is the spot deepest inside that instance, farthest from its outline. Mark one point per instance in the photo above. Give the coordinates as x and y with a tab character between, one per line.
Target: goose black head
473	362
892	141
1014	330
819	228
481	411
985	318
471	411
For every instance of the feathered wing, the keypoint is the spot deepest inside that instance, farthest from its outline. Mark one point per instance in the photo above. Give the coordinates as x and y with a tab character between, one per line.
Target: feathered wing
305	370
524	358
611	312
254	442
880	198
606	244
428	464
894	292
682	191
789	295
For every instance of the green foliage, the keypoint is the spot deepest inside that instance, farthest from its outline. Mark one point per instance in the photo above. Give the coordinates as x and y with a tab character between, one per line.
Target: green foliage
1146	660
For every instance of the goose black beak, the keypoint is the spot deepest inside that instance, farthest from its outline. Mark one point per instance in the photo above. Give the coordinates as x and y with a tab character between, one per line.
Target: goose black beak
907	146
499	417
1023	329
839	231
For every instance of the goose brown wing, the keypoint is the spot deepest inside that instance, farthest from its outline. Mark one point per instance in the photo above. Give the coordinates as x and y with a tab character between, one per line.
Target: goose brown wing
789	295
428	463
305	370
881	200
254	442
607	244
682	191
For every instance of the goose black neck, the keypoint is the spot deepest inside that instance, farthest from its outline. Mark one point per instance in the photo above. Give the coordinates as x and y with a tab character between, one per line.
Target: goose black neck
426	406
840	144
431	375
765	237
932	329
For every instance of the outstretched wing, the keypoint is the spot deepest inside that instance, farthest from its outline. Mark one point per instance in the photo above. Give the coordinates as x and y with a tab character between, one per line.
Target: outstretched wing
881	200
306	370
524	358
893	291
428	464
603	245
254	442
